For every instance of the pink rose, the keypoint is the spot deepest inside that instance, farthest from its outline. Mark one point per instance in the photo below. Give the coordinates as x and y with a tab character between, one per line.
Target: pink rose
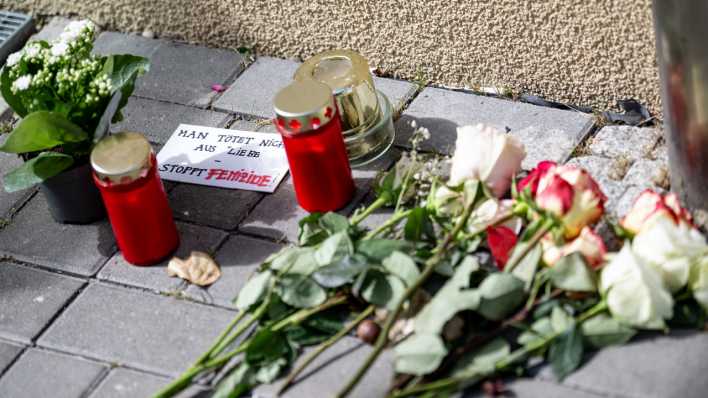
588	243
651	206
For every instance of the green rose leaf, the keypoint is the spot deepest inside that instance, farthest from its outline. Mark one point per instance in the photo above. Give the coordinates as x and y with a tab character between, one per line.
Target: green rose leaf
526	270
12	100
418	225
334	249
254	289
572	273
420	354
540	330
310	232
341	272
603	330
501	294
123	70
452	298
381	290
378	249
333	223
561	320
300	291
42	130
295	260
566	352
237	383
36	170
270	371
266	346
484	360
402	266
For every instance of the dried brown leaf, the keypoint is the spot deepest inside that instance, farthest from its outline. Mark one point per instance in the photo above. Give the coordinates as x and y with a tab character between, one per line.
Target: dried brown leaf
199	268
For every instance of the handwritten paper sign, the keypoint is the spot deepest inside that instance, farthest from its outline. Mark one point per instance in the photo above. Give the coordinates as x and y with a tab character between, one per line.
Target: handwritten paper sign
223	158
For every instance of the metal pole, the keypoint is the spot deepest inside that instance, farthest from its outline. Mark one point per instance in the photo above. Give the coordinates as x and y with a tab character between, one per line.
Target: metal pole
682	52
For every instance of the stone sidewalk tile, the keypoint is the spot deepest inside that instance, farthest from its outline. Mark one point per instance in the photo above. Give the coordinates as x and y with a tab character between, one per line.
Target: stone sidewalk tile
158	120
139	329
8	353
184	74
108	43
30	299
278	214
253	92
33	236
128	383
547	133
11	202
52	29
40	373
646	173
626	141
647	368
328	373
222	208
530	388
238	258
155	277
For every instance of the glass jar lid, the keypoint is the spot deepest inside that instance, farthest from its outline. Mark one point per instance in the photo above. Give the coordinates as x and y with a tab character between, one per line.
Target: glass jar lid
121	158
303	106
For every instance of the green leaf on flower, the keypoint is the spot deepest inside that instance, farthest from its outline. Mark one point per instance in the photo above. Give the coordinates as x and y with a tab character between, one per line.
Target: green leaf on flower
267	373
123	70
300	291
418	225
501	294
572	273
268	353
566	352
333	223
334	249
237	383
483	361
378	249
420	354
402	266
526	270
540	330
42	130
254	289
36	170
381	290
341	272
11	98
384	186
295	260
602	330
561	320
310	231
299	336
452	298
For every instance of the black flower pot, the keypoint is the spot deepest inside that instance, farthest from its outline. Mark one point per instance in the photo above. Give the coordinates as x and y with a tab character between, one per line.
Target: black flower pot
73	198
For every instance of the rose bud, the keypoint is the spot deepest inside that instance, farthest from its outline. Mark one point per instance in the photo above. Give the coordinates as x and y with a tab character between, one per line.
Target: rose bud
588	243
368	331
650	207
486	154
573	195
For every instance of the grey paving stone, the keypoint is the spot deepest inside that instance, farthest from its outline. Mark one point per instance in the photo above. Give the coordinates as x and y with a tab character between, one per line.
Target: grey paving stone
158	120
140	329
40	373
30	298
542	130
238	258
630	142
155	277
127	383
530	388
328	373
217	207
5	110
253	92
108	43
184	74
10	202
671	366
52	29
644	173
278	214
33	236
8	353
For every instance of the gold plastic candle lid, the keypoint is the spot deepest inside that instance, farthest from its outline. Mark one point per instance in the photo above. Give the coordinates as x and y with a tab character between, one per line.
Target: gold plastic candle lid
347	74
303	106
122	157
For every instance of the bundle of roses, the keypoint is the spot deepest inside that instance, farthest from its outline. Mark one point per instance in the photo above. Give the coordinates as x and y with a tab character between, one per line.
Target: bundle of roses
462	281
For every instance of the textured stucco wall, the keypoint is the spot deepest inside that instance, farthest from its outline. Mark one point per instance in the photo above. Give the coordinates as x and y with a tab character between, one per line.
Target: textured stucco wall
577	51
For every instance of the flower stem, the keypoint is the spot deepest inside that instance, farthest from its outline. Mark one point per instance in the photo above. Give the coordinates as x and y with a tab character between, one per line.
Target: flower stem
305	313
378	203
324	346
391	222
516	260
430	265
207	354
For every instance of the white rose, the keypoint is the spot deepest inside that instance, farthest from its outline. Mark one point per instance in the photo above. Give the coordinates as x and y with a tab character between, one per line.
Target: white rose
671	249
491	211
634	291
698	281
486	154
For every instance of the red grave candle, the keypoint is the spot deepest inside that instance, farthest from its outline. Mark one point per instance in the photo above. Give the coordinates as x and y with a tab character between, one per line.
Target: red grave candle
126	174
308	120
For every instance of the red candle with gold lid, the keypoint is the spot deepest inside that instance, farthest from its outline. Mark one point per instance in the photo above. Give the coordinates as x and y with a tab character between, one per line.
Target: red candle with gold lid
125	171
307	118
